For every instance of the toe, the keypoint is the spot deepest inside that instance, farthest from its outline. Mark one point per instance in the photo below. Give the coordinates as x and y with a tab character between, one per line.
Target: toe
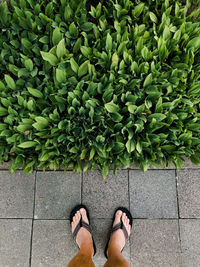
117	217
83	213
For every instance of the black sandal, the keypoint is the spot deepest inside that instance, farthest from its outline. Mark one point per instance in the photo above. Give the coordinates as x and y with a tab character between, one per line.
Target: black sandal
119	226
81	223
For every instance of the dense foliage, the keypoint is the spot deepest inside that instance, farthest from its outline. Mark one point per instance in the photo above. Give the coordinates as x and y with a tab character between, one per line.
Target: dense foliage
100	82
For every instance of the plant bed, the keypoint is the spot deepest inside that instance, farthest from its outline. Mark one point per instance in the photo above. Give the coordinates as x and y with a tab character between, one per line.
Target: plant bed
100	82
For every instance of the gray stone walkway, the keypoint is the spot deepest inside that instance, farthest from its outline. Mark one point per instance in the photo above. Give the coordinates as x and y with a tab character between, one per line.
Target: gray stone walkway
165	204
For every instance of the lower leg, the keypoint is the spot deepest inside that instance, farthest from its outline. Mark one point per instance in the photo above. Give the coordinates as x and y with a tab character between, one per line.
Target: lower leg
83	258
115	258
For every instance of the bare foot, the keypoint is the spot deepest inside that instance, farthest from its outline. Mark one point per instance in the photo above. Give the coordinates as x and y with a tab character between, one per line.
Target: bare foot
83	238
117	239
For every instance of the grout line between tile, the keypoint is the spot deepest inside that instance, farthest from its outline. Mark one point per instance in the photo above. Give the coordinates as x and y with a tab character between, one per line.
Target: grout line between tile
176	176
179	232
108	218
164	169
32	221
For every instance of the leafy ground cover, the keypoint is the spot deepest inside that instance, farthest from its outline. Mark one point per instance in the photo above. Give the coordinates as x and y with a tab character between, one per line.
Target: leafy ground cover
99	82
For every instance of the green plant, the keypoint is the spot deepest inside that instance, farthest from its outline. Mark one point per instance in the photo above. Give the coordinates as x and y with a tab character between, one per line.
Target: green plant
110	83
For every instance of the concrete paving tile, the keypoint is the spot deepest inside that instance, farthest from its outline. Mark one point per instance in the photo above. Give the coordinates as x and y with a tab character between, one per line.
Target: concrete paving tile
190	260
190	236
159	236
56	194
16	194
153	259
103	197
15	238
52	245
100	230
153	194
189	193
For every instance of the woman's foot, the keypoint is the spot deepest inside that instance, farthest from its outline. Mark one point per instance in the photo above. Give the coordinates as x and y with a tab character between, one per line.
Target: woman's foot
117	239
83	238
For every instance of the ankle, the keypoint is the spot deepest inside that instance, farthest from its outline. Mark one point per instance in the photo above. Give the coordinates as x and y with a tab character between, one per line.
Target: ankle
114	251
87	249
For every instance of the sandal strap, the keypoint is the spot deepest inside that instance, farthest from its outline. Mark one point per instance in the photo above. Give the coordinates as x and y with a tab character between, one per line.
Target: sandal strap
78	227
76	230
120	226
124	231
86	226
116	227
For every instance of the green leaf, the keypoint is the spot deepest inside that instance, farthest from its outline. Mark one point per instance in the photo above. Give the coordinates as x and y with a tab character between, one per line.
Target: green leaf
86	51
139	147
35	92
132	108
26	43
153	17
50	58
87	26
194	44
57	36
105	171
28	64
44	39
41	123
130	145
22	128
115	60
10	82
74	65
27	144
2	86
60	76
195	159
61	50
3	111
92	153
77	45
163	52
166	33
83	69
157	116
111	107
138	10
116	117
68	13
148	80
118	147
73	30
108	42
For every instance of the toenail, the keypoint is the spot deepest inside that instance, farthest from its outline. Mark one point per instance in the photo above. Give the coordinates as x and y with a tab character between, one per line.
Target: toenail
119	212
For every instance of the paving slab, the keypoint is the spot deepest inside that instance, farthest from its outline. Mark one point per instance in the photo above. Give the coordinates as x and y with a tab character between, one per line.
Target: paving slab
103	197
189	193
155	243
190	241
15	239
156	259
56	194
52	243
153	194
16	194
100	230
